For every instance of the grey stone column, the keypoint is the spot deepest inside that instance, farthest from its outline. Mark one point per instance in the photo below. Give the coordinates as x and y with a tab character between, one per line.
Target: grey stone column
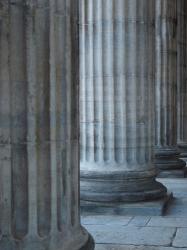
117	79
167	153
39	173
182	77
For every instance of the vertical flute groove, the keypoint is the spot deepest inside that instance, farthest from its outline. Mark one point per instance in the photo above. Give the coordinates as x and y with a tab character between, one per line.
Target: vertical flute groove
52	106
119	36
90	89
83	86
31	121
98	73
5	128
108	82
165	73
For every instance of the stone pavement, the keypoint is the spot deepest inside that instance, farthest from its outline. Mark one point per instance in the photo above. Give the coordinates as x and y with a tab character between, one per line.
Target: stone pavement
168	232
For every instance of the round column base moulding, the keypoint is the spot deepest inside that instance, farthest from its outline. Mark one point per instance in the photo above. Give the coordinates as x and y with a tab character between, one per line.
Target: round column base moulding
183	149
120	187
90	245
83	241
168	159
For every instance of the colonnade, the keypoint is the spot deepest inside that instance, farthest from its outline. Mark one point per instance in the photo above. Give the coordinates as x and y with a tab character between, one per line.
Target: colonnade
132	98
166	148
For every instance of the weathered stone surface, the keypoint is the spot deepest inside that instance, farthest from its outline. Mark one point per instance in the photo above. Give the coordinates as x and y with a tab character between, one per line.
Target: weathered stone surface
39	152
166	151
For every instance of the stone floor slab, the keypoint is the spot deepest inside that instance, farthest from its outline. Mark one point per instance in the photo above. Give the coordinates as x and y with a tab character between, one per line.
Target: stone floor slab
144	232
180	238
167	222
130	247
177	186
131	235
106	220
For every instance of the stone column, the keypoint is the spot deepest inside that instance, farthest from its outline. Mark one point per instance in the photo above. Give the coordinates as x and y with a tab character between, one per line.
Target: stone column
117	79
39	184
167	153
181	77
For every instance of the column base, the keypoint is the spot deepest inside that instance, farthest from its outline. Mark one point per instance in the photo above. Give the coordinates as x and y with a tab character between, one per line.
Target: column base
82	241
183	151
167	159
90	245
120	186
151	208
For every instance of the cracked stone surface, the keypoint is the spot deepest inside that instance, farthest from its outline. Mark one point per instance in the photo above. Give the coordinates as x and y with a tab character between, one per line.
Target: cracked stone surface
181	238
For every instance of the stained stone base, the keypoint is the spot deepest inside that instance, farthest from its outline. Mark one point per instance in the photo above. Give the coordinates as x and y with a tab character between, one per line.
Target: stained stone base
152	208
49	243
90	245
169	164
183	151
177	173
183	156
184	159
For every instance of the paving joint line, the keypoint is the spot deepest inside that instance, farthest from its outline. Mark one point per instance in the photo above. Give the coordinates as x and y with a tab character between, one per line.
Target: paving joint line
173	237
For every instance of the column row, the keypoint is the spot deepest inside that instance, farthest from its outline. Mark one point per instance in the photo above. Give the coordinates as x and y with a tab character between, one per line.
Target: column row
182	77
167	152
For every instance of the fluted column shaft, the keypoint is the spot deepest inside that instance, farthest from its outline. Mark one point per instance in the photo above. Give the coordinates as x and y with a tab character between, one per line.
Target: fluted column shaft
117	79
181	77
167	154
39	197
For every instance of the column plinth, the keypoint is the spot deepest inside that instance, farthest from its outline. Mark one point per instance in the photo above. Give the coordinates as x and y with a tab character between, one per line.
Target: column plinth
117	186
117	79
39	127
183	150
167	159
169	163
